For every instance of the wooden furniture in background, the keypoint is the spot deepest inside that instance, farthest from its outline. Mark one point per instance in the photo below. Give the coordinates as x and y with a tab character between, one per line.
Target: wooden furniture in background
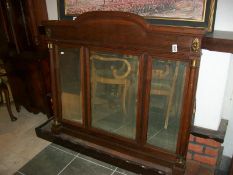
27	59
122	34
4	85
27	75
5	91
220	41
20	21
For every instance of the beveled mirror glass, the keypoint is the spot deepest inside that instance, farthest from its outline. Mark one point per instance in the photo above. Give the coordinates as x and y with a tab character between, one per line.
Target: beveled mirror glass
114	89
70	80
166	96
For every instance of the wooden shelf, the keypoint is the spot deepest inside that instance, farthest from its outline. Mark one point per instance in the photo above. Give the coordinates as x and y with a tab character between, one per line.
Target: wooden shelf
221	41
218	135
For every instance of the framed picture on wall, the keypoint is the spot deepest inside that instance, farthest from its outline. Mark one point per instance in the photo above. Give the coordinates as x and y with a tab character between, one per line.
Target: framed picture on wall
190	13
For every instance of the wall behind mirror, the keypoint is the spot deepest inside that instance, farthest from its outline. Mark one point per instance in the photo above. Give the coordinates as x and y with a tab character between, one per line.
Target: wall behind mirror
227	111
213	76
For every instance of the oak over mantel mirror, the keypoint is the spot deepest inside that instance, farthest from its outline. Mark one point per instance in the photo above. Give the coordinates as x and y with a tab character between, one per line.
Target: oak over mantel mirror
118	83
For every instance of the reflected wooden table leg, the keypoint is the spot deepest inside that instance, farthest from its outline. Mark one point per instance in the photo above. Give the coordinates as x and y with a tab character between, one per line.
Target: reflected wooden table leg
1	98
231	167
4	89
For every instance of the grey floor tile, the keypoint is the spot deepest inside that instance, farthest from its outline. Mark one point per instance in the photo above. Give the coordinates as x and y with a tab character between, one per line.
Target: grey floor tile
106	125
90	159
127	130
61	148
18	173
83	167
49	161
164	140
110	122
120	171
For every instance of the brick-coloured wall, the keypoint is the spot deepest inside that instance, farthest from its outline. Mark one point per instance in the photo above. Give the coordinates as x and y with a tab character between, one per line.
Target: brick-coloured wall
203	150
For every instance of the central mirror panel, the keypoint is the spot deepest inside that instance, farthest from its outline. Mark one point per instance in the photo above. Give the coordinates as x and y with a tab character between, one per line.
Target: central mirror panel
114	90
70	80
166	96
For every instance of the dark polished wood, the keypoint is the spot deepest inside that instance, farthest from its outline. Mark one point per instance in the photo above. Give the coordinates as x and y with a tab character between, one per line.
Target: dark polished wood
218	135
126	33
146	80
36	13
27	58
231	167
141	133
20	21
221	41
3	86
26	76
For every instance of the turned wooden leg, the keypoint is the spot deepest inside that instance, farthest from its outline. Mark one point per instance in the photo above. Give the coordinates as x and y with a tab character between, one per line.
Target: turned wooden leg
231	168
17	107
5	91
1	98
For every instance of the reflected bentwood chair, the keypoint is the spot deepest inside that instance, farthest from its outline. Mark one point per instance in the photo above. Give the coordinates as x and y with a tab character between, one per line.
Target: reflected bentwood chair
4	90
164	77
4	51
112	71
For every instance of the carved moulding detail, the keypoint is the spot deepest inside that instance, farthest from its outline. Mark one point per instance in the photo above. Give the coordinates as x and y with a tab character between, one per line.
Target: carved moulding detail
196	45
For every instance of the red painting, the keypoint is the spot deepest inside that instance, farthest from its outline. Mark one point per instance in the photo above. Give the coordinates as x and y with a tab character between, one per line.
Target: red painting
193	10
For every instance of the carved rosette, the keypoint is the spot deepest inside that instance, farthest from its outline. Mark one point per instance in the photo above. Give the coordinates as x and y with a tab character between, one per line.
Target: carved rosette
196	46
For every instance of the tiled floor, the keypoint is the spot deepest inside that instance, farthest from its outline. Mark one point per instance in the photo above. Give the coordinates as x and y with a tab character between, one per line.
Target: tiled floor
22	152
56	160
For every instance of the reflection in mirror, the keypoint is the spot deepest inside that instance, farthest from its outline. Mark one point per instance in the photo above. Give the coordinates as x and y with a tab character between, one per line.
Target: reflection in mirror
70	78
114	82
165	103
